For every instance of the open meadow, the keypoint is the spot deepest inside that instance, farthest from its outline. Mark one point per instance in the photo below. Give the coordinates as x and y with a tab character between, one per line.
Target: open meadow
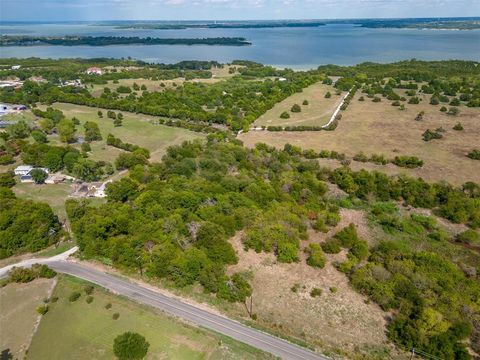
81	330
379	128
136	129
218	74
316	113
52	194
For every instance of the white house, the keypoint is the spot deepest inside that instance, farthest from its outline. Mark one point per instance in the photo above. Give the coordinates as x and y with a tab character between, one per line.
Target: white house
94	71
16	67
23	170
26	169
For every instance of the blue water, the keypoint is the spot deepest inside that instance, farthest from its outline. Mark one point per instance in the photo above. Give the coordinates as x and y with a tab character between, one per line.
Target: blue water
298	48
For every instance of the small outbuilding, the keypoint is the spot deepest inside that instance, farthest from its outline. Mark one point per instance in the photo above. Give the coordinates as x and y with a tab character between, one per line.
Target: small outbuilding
94	71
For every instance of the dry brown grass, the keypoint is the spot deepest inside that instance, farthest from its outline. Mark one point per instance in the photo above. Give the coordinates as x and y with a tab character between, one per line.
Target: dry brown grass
379	128
341	320
317	112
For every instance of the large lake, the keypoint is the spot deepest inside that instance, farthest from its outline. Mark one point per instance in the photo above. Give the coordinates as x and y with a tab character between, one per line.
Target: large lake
299	48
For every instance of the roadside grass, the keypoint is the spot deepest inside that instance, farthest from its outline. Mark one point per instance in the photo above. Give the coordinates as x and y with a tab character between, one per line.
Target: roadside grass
78	330
136	129
18	303
48	252
317	112
52	251
379	128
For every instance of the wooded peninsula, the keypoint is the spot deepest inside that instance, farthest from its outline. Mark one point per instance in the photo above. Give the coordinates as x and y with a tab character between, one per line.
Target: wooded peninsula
117	40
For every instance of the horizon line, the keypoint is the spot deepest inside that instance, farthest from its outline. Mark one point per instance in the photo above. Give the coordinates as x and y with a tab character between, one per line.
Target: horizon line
245	20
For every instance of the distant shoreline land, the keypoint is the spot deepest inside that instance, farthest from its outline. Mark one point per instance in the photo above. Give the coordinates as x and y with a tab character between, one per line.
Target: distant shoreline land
7	40
461	23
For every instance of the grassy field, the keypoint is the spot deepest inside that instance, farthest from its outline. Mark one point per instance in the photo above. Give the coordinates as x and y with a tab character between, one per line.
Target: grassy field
317	112
26	116
54	195
136	129
379	128
18	303
80	330
218	74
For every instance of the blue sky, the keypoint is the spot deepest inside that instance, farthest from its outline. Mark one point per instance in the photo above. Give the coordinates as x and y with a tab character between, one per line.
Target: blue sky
11	10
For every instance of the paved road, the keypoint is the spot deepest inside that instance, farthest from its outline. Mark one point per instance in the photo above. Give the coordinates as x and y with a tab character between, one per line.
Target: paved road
29	262
220	324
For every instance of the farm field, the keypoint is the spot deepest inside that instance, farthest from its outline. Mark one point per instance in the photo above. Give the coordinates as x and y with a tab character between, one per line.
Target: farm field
316	113
18	315
136	129
86	331
379	128
218	74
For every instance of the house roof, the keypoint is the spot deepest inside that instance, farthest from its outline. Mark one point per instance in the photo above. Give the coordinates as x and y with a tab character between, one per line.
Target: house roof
24	168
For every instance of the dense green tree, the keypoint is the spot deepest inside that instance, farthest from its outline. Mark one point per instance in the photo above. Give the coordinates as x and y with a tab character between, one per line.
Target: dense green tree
296	108
66	130
130	346
235	289
92	131
122	190
39	176
39	136
7	179
315	256
19	130
26	226
87	170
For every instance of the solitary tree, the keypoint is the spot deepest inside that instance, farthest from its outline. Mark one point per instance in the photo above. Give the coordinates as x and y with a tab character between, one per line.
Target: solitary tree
38	175
66	130
296	108
130	346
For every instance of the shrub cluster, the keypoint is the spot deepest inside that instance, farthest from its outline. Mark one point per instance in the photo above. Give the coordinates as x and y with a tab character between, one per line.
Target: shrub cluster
25	275
408	161
474	154
457	205
116	142
431	135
